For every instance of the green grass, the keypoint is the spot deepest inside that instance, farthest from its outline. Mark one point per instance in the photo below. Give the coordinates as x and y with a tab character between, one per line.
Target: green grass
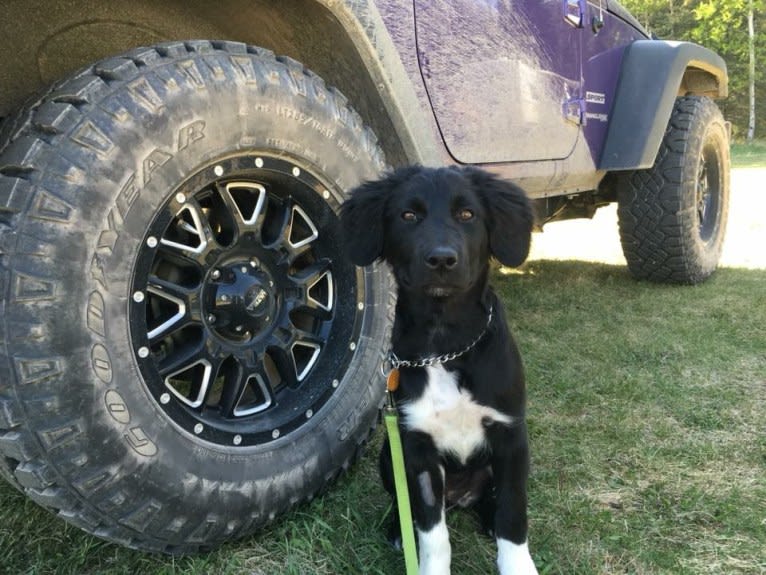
752	155
647	417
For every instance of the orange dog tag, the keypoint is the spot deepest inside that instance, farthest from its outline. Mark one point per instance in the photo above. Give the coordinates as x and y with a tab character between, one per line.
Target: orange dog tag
392	381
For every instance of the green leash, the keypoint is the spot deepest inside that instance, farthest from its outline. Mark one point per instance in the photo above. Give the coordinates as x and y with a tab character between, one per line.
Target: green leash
391	419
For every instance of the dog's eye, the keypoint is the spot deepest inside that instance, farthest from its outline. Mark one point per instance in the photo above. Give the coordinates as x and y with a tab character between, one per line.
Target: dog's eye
465	215
409	216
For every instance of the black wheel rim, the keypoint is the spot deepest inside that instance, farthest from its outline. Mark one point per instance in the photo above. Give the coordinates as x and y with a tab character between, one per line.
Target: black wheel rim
243	314
708	193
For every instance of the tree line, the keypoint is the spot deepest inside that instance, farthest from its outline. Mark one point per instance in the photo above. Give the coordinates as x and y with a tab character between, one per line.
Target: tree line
731	28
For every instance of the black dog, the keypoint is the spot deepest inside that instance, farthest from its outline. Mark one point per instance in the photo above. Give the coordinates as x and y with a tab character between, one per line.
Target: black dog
461	394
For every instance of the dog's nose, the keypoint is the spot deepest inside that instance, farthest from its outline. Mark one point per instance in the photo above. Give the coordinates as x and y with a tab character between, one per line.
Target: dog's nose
441	257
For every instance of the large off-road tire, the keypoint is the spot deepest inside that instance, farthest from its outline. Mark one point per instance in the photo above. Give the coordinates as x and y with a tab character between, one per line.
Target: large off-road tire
185	351
672	216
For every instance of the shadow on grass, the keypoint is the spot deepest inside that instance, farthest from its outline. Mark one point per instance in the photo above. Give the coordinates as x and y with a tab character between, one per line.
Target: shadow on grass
646	411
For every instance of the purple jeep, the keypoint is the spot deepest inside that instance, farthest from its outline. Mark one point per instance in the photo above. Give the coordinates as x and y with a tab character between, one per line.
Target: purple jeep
186	353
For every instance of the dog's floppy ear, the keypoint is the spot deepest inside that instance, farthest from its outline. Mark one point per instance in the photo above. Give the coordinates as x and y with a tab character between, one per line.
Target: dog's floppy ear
509	216
363	215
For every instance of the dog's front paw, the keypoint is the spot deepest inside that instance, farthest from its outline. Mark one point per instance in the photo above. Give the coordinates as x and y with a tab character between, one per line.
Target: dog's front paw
514	559
394	533
435	550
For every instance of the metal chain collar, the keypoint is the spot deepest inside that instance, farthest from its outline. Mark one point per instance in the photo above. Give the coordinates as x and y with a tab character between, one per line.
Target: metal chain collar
396	363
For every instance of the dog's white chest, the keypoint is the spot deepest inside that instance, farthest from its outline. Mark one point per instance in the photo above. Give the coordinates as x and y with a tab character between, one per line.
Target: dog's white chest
450	415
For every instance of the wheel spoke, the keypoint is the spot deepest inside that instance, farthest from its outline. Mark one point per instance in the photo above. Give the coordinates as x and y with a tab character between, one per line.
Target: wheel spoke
191	384
304	355
180	356
172	290
316	289
301	230
296	234
294	352
246	387
172	307
247	202
190	372
190	233
187	231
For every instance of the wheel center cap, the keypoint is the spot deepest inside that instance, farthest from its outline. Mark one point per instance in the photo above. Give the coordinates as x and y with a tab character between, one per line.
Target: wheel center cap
241	301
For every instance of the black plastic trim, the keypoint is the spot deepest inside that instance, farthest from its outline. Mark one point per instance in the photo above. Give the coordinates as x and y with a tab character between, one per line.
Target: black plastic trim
650	80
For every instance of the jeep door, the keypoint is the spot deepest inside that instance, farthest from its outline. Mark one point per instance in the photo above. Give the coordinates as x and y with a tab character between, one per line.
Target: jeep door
499	75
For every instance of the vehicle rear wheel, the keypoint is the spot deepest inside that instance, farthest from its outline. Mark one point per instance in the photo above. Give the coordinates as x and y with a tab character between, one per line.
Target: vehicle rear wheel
672	216
187	352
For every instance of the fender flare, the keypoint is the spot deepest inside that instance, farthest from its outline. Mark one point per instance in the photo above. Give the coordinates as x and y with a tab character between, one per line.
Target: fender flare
653	74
